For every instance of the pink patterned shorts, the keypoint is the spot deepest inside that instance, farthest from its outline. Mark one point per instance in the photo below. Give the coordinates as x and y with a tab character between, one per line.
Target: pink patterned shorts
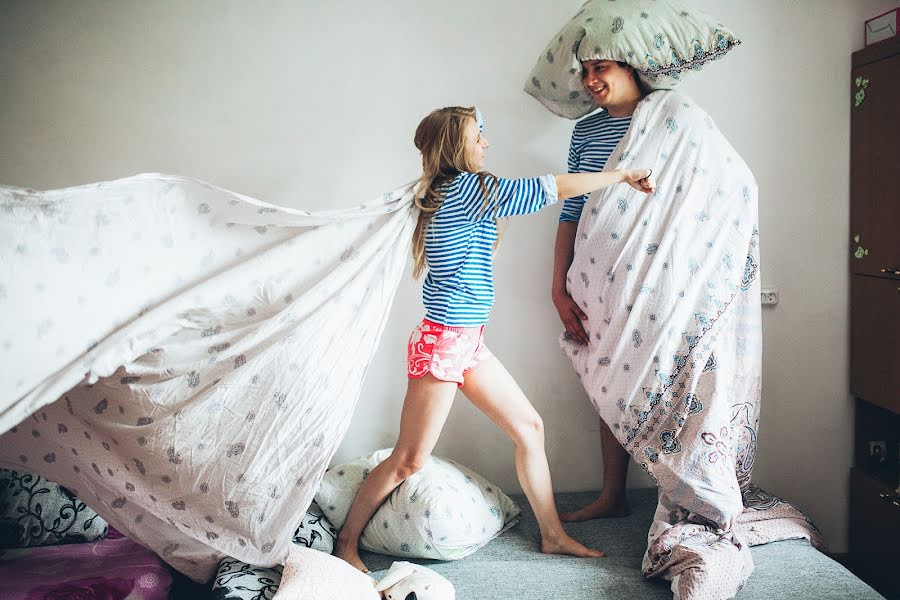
448	353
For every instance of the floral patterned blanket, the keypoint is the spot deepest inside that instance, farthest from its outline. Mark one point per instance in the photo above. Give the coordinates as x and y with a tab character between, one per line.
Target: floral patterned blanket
670	284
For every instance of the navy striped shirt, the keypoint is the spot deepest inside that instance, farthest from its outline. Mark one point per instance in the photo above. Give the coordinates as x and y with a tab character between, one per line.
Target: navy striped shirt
593	140
459	244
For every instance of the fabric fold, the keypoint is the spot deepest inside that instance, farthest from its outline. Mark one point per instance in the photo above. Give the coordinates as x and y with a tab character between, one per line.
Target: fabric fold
187	359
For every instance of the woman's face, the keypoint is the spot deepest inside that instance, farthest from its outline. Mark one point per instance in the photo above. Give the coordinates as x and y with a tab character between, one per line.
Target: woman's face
476	144
608	83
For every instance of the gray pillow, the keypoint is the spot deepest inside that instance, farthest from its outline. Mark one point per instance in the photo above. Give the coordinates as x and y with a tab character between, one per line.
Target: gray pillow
663	40
38	512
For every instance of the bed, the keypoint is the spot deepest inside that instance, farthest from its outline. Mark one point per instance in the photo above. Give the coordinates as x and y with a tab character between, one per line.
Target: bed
511	566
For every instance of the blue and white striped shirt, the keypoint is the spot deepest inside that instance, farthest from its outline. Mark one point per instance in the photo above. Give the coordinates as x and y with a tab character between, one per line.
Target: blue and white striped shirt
593	140
459	244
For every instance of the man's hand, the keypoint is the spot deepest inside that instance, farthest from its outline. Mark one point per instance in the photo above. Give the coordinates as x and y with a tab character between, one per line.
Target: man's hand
571	316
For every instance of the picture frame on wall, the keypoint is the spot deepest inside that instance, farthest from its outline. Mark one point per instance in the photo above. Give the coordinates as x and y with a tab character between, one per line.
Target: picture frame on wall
882	27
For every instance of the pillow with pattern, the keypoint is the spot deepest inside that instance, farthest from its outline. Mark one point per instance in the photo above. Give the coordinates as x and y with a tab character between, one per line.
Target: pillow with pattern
444	512
38	512
316	531
238	580
663	40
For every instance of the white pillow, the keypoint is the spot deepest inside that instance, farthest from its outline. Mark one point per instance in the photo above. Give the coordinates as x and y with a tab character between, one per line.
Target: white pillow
662	39
444	512
313	575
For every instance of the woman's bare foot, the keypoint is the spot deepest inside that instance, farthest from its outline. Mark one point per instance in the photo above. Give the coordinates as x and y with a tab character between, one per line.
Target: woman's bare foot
566	545
349	553
601	508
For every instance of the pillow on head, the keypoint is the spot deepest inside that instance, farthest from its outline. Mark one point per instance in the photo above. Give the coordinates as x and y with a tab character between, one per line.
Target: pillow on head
313	575
38	512
662	39
444	512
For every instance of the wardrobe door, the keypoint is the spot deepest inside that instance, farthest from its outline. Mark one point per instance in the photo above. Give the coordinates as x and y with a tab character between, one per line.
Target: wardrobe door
875	340
875	167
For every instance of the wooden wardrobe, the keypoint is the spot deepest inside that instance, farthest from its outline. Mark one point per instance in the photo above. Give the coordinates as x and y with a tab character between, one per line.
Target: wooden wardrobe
875	313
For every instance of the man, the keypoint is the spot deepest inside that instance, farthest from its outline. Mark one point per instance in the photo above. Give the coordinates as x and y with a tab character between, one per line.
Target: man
614	86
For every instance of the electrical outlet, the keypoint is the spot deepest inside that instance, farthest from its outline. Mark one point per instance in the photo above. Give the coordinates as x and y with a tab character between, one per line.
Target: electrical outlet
769	296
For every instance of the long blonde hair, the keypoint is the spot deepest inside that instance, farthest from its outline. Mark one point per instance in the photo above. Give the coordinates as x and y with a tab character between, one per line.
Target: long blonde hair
440	137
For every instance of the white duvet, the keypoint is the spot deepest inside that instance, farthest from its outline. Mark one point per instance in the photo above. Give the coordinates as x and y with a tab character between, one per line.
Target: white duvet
187	359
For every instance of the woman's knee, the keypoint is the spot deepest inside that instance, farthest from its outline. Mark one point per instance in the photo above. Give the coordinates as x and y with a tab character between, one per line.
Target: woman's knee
407	464
529	430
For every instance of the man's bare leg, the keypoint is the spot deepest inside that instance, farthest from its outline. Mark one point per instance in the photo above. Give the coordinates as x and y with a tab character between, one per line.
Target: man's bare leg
612	501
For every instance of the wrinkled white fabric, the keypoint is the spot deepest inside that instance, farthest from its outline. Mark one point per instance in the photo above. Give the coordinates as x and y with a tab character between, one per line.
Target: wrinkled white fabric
670	284
187	359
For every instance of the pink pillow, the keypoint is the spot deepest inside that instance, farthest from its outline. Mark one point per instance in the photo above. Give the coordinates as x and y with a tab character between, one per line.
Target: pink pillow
313	575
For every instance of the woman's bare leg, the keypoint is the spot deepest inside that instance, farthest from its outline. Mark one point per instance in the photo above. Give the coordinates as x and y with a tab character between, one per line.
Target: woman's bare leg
492	389
425	409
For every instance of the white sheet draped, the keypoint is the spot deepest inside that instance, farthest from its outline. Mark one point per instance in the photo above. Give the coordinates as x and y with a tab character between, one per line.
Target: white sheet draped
670	284
187	359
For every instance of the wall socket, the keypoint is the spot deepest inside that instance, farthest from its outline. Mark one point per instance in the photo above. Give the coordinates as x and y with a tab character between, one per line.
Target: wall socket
769	296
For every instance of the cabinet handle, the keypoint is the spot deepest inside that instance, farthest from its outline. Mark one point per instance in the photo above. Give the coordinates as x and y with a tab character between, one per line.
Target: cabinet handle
891	270
889	498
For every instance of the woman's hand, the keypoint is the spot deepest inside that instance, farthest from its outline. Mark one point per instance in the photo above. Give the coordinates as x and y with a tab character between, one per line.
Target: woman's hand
639	179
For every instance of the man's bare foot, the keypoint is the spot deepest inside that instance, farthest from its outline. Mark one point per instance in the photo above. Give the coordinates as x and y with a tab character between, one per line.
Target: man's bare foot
601	508
566	545
349	553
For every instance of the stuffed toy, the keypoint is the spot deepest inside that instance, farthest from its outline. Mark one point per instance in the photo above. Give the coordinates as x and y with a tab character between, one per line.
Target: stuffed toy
406	581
